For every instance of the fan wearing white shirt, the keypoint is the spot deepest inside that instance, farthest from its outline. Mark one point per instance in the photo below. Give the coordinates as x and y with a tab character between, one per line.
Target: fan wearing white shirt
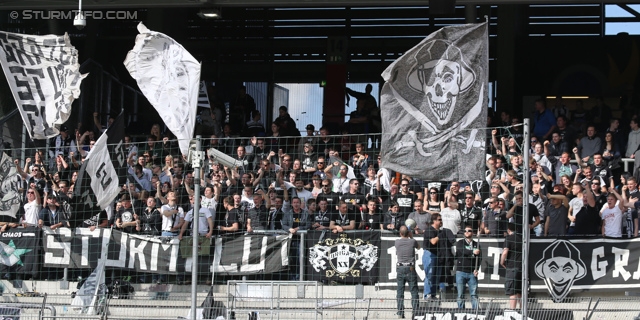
31	208
172	216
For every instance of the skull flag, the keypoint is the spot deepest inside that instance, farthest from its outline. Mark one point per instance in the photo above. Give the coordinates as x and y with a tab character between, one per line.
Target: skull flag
434	106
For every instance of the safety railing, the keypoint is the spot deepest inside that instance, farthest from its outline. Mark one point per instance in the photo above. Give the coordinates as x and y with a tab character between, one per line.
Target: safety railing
274	298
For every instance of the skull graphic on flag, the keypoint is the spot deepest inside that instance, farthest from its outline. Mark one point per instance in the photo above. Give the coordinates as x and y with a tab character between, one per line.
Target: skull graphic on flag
434	106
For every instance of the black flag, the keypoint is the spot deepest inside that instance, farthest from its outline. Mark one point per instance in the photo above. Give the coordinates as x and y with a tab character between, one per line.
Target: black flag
348	257
101	175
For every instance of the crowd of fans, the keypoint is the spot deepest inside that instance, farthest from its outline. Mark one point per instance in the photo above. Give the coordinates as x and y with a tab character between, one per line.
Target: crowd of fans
289	182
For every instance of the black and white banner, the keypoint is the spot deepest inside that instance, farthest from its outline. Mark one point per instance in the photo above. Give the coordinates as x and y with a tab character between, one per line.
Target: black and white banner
10	185
348	257
561	266
102	173
233	255
44	76
19	251
168	76
557	266
490	275
434	106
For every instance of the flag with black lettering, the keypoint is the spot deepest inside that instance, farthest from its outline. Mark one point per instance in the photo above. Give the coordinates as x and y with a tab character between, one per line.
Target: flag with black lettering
44	76
346	257
102	173
10	184
169	76
434	106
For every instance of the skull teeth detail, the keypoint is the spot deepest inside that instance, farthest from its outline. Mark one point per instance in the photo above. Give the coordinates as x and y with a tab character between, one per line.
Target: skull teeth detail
441	109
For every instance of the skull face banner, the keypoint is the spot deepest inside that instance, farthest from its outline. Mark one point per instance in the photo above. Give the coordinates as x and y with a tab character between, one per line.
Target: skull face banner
434	106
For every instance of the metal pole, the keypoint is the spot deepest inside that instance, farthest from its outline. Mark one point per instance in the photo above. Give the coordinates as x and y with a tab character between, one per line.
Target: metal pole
301	255
196	162
525	219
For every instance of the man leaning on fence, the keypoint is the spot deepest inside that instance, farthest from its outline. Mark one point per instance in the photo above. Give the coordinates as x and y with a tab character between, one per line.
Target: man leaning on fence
511	259
406	269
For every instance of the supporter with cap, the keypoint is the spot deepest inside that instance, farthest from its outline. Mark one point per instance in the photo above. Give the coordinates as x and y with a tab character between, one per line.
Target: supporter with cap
62	144
126	219
53	215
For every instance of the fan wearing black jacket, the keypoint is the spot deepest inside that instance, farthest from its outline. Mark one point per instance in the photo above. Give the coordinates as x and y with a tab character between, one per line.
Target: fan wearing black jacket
467	255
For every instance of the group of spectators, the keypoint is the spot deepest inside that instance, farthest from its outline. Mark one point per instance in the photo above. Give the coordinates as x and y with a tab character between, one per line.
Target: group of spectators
283	180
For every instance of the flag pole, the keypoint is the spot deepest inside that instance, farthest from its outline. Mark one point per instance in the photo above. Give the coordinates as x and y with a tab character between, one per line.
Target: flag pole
525	218
196	162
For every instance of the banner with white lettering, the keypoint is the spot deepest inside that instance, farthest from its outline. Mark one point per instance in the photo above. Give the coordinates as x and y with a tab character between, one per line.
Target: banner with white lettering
168	75
561	266
19	251
490	274
555	265
347	257
44	76
233	255
251	254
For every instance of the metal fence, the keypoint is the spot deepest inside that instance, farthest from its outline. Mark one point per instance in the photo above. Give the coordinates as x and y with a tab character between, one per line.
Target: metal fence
309	300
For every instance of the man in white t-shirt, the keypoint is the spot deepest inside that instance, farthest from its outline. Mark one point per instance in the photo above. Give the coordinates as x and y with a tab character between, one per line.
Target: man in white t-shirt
210	199
31	208
451	216
612	215
205	221
575	205
172	216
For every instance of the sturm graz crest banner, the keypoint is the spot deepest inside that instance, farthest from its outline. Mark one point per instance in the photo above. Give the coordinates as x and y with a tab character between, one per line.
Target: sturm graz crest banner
434	106
348	257
44	76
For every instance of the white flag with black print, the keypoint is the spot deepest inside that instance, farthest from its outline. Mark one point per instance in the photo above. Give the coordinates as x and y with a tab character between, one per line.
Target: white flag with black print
10	185
44	76
102	172
169	76
87	298
434	106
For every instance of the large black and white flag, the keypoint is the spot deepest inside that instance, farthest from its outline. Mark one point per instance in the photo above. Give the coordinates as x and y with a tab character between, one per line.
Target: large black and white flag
169	76
102	173
10	185
434	106
44	76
